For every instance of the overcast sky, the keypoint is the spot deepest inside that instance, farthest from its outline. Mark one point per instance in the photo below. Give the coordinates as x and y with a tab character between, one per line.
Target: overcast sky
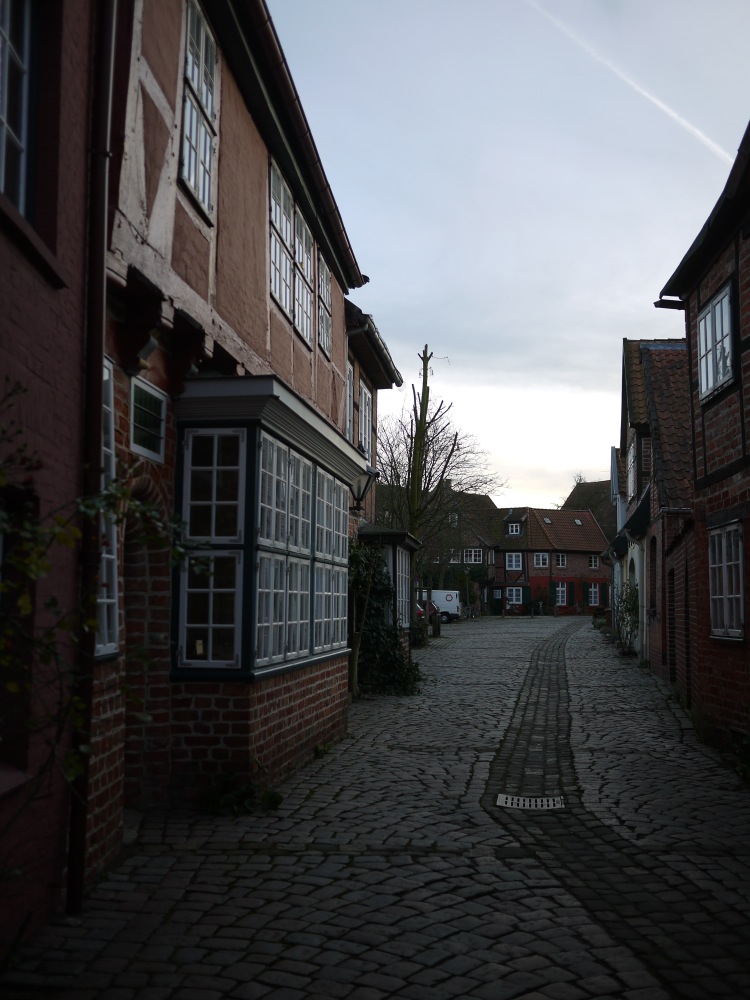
519	179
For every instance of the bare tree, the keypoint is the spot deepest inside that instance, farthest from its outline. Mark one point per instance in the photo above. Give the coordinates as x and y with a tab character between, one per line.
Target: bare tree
429	470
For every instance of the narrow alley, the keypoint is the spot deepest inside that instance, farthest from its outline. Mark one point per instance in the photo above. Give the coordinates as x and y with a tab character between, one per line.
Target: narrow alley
540	822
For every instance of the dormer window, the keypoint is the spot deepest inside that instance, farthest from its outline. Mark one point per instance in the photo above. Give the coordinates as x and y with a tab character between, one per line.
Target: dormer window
514	528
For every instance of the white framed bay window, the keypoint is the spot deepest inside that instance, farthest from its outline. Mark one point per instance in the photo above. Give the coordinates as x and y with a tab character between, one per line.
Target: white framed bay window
210	627
268	584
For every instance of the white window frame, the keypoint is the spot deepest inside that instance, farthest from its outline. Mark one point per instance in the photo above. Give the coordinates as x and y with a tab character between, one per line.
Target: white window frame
541	560
561	594
324	305
632	468
593	562
141	385
473	556
282	241
561	560
594	600
514	595
213	510
513	561
365	420
304	295
199	106
108	590
514	528
725	571
715	342
349	428
15	57
402	587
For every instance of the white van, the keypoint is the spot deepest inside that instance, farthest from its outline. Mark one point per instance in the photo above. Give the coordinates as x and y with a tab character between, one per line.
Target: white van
449	602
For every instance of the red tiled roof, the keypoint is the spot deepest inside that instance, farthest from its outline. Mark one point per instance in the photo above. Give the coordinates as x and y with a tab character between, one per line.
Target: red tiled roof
560	530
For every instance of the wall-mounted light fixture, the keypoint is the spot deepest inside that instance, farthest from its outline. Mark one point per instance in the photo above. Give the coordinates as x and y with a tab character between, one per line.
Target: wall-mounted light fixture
361	487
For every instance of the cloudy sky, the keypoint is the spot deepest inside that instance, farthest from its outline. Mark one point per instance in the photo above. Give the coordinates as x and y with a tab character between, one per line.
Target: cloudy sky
519	179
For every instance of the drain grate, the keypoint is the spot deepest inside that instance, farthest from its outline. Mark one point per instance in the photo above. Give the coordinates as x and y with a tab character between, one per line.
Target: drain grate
531	801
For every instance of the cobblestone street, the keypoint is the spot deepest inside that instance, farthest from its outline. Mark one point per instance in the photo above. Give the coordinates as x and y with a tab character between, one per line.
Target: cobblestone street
390	870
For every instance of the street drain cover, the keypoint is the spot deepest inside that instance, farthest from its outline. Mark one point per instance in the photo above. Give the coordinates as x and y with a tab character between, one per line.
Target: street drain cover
531	801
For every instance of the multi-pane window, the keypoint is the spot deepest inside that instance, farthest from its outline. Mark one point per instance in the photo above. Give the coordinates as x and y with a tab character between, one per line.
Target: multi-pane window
593	562
213	512
514	528
324	305
303	277
453	519
715	342
285	519
148	410
282	242
632	469
561	560
513	560
473	556
108	589
514	595
561	594
402	586
15	34
593	595
725	580
297	584
199	106
349	428
365	420
331	553
292	257
541	560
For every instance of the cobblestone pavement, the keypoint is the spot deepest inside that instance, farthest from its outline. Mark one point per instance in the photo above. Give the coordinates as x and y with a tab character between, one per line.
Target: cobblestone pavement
389	869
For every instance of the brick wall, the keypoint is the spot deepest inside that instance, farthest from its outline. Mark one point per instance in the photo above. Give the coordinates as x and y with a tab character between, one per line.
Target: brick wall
261	731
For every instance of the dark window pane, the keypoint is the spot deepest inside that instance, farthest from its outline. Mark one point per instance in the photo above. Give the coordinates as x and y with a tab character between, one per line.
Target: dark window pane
200	521
223	609
197	643
223	644
229	450
203	450
201	483
224	573
226	521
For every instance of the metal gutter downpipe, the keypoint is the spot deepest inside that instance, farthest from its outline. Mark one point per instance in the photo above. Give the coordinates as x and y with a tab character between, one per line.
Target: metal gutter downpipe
104	19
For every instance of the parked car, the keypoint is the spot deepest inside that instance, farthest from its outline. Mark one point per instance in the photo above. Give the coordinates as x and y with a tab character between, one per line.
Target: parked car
434	610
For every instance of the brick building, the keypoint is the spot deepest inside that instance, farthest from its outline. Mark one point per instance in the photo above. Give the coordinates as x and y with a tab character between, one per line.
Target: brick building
227	379
47	313
548	561
712	285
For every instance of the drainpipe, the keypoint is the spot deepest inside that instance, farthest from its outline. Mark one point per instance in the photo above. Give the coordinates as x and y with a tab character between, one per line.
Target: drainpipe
103	47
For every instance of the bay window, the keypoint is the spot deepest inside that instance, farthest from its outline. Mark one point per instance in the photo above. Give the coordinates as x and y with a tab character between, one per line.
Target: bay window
267	584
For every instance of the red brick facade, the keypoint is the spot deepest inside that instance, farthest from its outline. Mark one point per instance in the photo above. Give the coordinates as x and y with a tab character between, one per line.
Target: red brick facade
204	286
713	662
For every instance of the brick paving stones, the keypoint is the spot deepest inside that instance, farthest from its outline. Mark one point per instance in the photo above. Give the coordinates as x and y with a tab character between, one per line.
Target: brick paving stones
389	870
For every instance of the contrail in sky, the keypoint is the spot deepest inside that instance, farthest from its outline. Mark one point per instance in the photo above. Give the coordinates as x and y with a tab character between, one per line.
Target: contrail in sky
634	85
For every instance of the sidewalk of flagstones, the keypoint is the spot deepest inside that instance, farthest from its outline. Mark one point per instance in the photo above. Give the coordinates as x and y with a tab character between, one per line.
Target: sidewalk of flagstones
389	871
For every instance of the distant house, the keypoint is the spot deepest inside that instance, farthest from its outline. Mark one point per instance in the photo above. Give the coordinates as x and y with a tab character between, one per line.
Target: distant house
711	284
549	561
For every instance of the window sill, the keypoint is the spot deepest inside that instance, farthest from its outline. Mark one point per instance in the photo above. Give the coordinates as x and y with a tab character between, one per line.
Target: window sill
720	637
11	779
30	243
242	675
195	202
